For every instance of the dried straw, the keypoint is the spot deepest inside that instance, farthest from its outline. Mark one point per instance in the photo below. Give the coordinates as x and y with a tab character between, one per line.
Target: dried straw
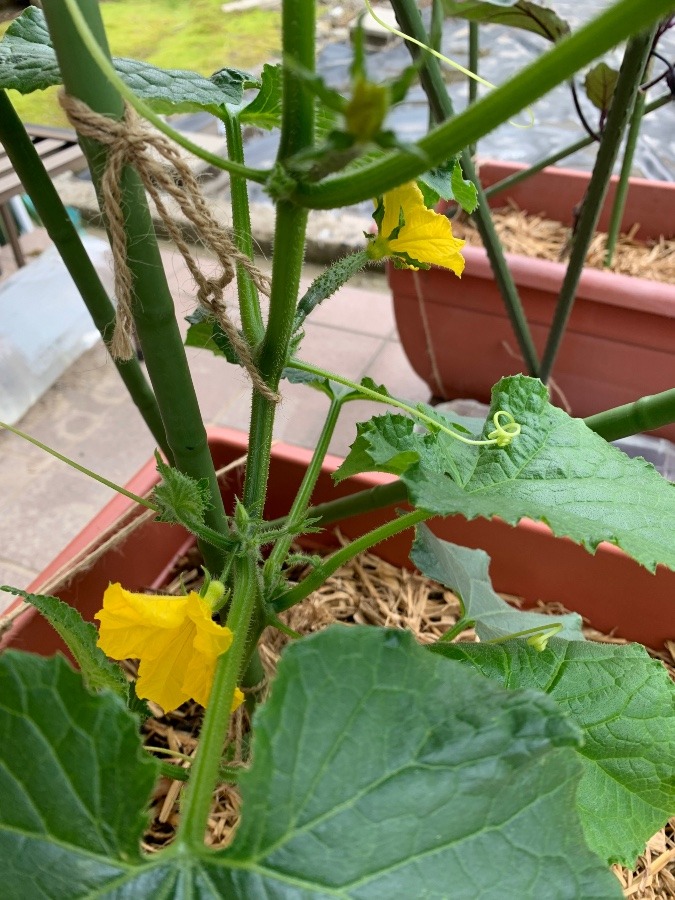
542	238
370	591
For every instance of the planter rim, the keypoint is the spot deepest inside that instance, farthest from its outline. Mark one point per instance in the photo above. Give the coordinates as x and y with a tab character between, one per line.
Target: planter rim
607	288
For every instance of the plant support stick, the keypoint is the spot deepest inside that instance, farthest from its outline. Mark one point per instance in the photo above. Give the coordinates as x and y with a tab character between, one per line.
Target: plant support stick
154	312
30	169
627	86
410	21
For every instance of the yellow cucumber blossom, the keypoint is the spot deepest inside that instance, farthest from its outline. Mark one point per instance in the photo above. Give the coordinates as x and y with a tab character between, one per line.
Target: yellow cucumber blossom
413	236
175	639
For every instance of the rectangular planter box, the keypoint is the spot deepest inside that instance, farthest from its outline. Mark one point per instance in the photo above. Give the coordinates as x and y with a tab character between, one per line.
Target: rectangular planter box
609	589
620	341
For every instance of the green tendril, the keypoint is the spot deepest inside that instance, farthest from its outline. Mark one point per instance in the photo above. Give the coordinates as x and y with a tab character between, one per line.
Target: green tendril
504	434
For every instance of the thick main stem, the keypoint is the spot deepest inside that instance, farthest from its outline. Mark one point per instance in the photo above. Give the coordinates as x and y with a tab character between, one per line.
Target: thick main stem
627	86
153	309
410	21
624	18
29	167
297	133
203	777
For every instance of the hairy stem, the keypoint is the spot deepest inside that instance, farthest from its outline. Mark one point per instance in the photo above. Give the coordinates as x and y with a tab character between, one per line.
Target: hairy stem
249	302
204	775
317	577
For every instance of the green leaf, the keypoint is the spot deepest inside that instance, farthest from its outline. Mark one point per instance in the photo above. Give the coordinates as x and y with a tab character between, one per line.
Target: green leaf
514	13
379	770
465	572
328	283
625	704
557	471
436	183
447	182
463	190
74	782
28	63
600	84
80	637
265	108
179	497
378	775
206	334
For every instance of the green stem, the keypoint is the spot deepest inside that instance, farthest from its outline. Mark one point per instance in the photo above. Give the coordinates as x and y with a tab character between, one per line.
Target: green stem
456	630
276	558
29	167
551	160
317	577
154	312
297	133
74	465
87	36
622	19
621	194
432	424
380	497
644	414
474	55
440	103
249	302
627	86
204	774
229	774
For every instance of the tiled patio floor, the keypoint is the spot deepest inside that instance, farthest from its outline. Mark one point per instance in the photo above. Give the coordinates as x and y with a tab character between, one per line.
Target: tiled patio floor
88	416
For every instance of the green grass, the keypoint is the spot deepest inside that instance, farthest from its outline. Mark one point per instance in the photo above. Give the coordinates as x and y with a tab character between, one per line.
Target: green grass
176	34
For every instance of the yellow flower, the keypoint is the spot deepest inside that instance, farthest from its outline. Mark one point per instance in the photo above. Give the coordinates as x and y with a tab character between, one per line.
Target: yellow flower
413	236
175	639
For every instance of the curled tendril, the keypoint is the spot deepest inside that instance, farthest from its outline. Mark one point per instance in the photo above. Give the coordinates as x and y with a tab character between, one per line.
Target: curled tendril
504	434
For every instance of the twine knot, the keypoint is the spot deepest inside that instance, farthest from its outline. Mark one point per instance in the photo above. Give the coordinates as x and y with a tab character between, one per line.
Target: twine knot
131	143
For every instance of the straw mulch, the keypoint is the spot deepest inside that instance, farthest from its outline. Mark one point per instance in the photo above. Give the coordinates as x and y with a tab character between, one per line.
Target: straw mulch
541	238
371	592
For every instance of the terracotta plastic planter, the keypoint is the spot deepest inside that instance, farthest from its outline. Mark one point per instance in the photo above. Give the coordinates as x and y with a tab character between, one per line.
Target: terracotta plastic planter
619	344
612	591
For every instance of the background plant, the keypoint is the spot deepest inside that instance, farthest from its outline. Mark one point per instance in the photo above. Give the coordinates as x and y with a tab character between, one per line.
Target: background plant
378	767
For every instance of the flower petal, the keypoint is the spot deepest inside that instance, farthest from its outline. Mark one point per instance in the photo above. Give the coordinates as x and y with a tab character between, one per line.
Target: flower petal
175	639
132	623
426	236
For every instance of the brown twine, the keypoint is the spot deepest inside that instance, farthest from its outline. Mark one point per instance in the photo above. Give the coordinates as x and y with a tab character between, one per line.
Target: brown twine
131	143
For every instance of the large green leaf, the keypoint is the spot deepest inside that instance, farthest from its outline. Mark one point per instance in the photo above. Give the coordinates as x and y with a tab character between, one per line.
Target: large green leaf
379	770
557	470
625	703
465	572
28	63
73	782
81	639
515	13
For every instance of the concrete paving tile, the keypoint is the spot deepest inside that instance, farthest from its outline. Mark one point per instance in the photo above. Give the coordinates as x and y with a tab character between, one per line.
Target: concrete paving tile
48	514
356	310
391	368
